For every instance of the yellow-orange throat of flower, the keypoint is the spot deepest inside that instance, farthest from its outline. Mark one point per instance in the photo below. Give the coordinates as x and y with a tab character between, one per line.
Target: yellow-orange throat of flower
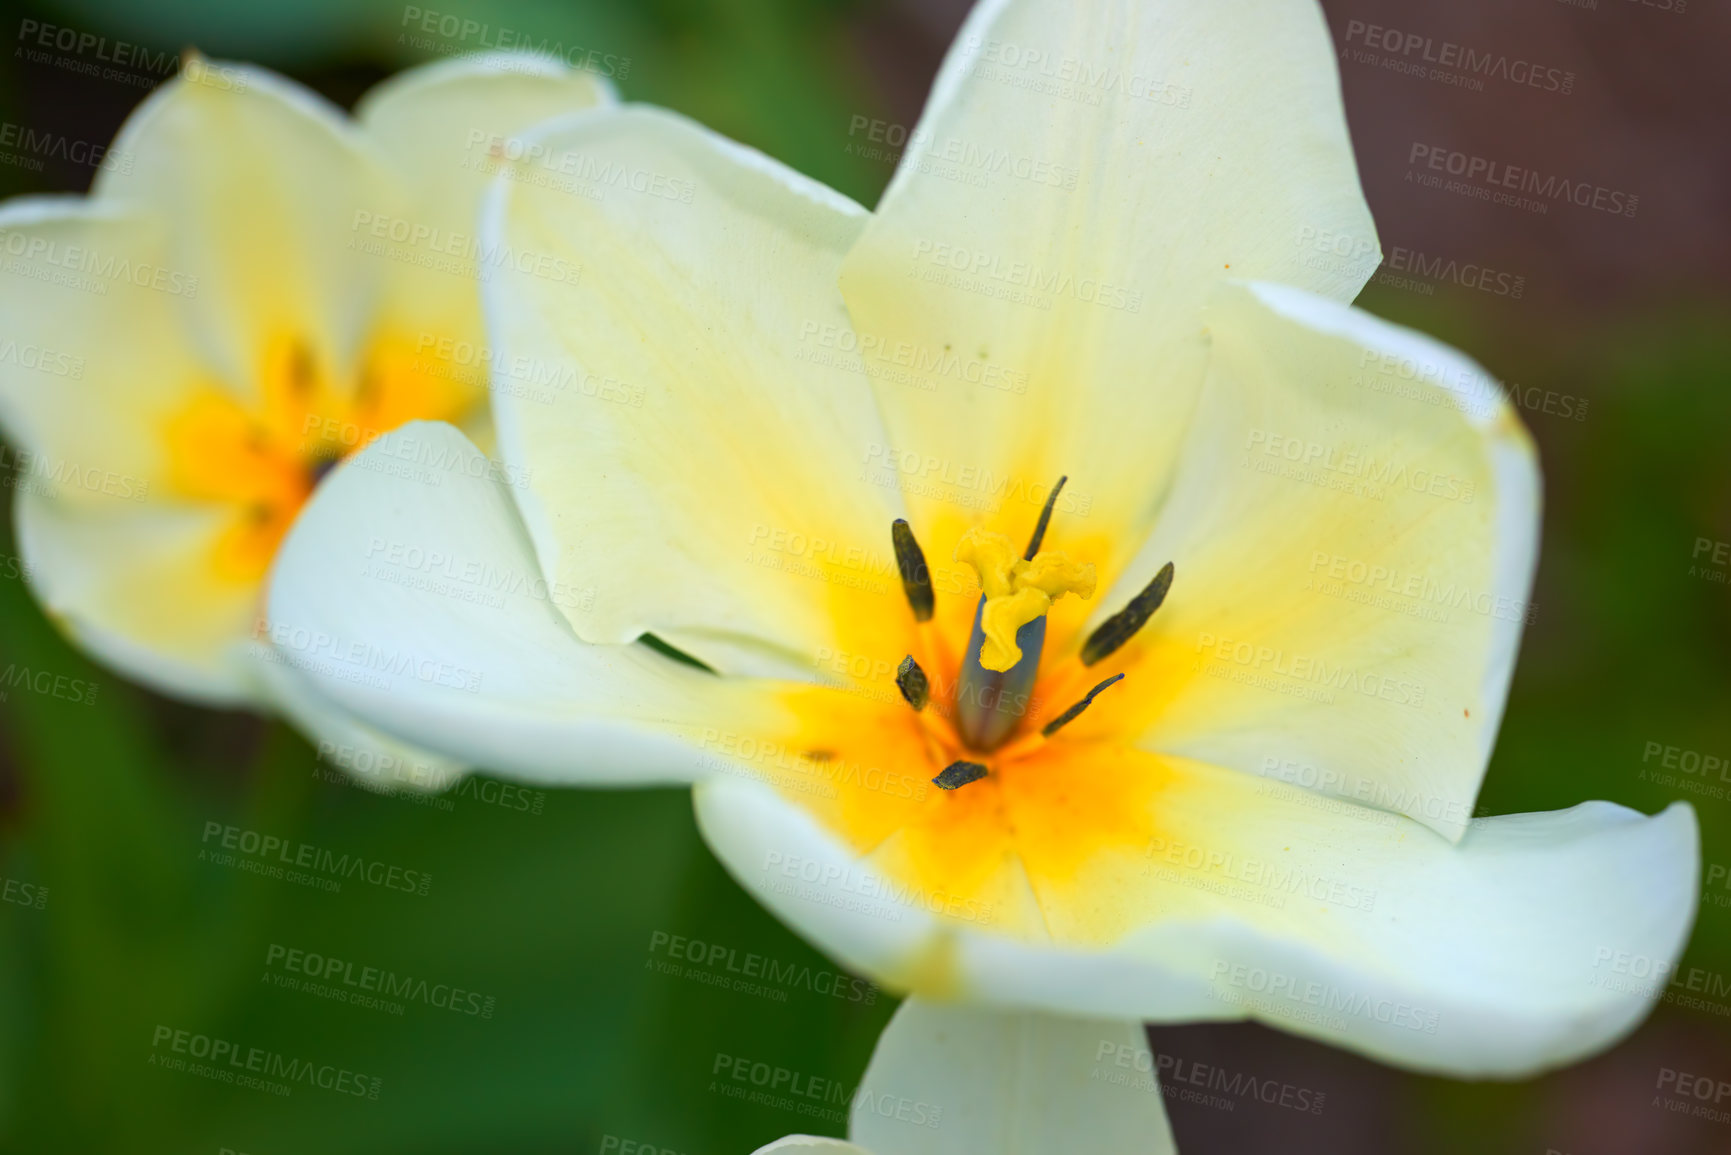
261	458
968	766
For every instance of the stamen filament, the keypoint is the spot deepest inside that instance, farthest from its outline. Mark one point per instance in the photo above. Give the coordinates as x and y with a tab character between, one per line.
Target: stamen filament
1045	520
1075	711
1122	626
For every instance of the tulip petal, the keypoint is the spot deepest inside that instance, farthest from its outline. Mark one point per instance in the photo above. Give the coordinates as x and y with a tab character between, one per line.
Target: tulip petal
408	590
1083	174
956	1080
443	127
1498	956
1354	526
91	360
268	194
129	582
695	439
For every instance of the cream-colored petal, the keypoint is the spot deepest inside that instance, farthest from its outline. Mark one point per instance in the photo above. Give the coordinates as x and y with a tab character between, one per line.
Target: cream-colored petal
447	126
269	198
93	361
948	1079
694	444
131	582
92	355
1083	174
1354	528
409	594
444	129
1505	954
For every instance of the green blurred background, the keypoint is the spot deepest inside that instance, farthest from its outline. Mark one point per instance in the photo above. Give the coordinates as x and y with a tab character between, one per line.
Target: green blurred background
113	927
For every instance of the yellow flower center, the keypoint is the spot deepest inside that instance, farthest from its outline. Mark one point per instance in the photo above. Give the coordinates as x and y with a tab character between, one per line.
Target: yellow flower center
261	458
1044	798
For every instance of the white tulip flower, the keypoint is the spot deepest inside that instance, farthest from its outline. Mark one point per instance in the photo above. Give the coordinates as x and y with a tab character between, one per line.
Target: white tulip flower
1119	249
255	287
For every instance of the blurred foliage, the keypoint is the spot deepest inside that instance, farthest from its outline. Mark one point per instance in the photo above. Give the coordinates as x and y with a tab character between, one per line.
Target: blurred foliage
553	913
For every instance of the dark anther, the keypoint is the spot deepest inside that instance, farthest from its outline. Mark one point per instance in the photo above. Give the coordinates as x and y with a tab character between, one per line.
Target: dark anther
916	578
911	681
1045	520
1122	626
959	774
1075	711
321	464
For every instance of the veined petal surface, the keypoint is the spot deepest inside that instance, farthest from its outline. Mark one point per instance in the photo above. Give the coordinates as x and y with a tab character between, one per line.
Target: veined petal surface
948	1079
408	590
696	444
1354	526
1218	896
1083	174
